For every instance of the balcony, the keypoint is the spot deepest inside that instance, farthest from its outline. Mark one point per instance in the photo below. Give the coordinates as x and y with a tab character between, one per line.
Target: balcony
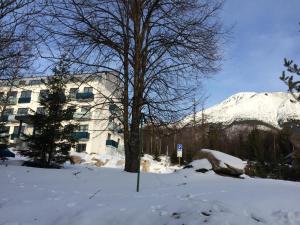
82	116
24	100
85	96
9	101
8	118
4	118
112	143
81	135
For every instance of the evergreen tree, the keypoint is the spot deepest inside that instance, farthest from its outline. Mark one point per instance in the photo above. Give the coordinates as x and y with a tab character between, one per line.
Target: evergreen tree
52	138
293	85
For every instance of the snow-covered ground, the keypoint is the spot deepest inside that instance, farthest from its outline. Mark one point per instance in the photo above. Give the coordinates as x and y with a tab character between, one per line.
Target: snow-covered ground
82	195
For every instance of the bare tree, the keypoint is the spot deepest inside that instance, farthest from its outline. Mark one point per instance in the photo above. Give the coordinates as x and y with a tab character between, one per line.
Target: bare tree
158	50
16	35
16	40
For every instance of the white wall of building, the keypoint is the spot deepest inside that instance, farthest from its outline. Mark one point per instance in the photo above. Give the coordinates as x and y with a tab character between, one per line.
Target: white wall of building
98	122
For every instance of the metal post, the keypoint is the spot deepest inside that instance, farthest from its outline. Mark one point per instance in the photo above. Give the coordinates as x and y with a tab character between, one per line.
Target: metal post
139	157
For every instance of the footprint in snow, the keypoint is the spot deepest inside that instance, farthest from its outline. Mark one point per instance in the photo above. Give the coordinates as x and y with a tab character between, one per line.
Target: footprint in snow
71	204
184	197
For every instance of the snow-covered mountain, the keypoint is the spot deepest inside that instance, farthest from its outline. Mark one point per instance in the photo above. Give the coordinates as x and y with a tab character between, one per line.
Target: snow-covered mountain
272	108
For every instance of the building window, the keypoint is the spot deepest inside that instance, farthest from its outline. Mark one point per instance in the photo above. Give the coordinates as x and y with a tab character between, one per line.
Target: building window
8	111
80	147
84	128
12	94
22	111
40	110
16	129
85	109
26	94
4	130
88	90
35	82
44	93
22	82
73	92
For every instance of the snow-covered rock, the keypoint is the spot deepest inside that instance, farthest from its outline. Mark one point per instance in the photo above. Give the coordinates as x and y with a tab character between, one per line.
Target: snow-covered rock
201	164
226	159
273	108
222	163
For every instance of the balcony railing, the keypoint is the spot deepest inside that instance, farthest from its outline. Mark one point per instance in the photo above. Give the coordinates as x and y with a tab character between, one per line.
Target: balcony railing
4	118
81	135
24	100
8	118
82	116
12	101
112	143
9	101
85	96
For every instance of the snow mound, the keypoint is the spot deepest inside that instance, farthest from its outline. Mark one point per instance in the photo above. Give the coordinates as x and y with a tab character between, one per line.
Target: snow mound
115	159
201	164
226	160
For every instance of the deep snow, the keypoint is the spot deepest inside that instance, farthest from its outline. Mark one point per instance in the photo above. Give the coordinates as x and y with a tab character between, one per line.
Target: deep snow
81	195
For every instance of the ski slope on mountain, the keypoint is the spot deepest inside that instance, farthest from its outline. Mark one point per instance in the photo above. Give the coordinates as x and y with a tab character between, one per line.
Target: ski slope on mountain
272	108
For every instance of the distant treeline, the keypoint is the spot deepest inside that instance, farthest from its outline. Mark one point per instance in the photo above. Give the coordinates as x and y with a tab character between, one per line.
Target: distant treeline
268	150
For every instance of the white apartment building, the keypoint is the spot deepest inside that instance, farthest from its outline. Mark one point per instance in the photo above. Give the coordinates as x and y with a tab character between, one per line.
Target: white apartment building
91	94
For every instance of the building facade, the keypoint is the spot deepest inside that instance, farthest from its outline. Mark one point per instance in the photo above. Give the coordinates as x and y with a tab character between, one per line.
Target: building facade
93	95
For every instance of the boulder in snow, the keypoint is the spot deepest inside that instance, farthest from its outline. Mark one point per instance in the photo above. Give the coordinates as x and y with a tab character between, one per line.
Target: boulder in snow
75	159
222	163
99	162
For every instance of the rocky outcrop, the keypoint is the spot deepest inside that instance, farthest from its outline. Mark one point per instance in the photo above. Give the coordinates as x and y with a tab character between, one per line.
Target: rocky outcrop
222	164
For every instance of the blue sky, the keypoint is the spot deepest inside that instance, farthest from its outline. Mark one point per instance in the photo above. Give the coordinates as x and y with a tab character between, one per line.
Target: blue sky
264	32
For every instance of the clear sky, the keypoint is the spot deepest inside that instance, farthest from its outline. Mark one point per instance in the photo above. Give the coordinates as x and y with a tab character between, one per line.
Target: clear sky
264	32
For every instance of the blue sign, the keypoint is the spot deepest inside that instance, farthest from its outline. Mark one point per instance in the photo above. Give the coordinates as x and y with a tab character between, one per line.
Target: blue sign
179	150
179	147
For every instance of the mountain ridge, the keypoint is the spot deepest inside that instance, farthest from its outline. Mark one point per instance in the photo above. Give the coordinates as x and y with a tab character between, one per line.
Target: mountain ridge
274	108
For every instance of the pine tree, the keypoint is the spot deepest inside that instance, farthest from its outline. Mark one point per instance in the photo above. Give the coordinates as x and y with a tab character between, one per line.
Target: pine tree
293	85
52	138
